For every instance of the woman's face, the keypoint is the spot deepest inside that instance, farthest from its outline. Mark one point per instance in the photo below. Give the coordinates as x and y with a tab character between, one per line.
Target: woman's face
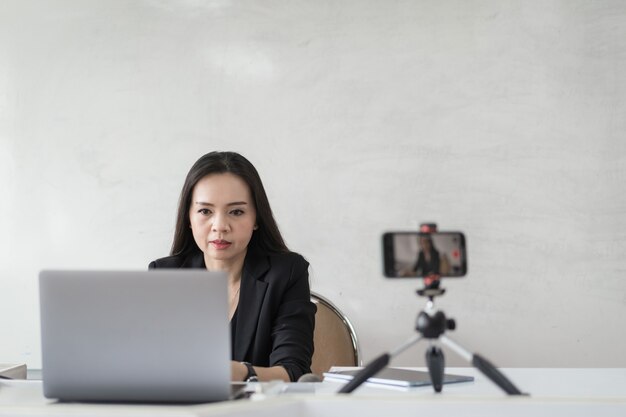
222	217
425	243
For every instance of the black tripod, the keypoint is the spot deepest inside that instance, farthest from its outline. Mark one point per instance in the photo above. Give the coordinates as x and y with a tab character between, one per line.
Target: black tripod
432	325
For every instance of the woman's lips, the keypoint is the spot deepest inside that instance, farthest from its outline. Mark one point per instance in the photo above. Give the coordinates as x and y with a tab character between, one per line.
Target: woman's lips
220	244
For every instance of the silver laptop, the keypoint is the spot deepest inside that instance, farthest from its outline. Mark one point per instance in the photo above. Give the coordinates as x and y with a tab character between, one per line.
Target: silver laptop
135	336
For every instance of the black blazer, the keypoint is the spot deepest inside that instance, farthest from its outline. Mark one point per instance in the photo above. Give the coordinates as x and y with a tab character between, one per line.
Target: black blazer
275	315
426	268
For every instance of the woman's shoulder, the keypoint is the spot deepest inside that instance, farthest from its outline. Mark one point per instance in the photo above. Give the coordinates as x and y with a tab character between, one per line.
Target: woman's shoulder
166	262
258	262
287	258
290	264
178	261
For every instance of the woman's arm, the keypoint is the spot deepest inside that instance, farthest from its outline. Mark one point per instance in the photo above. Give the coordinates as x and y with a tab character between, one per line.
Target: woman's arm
239	372
293	325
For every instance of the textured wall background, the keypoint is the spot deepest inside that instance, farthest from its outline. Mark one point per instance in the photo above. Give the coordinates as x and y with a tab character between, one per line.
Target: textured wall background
502	119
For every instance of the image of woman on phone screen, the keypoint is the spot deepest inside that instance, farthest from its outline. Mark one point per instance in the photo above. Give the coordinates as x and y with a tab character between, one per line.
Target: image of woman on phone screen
427	258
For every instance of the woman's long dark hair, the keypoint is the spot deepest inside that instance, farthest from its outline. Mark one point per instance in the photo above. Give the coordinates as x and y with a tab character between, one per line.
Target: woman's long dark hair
266	237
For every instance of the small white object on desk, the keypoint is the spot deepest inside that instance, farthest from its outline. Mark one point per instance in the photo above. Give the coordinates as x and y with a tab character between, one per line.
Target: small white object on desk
12	371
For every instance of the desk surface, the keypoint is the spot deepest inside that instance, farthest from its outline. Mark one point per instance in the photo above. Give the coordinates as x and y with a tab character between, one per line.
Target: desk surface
554	392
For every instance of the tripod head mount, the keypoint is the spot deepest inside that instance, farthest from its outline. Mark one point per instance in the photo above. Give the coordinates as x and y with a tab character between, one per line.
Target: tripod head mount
431	288
433	326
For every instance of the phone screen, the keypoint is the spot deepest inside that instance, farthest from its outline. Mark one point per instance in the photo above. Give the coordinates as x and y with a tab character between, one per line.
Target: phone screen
415	254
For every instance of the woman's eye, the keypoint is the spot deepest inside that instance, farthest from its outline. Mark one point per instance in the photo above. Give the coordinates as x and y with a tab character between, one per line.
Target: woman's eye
204	211
237	212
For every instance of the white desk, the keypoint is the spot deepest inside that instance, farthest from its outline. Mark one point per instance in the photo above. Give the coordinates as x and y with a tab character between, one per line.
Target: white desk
554	392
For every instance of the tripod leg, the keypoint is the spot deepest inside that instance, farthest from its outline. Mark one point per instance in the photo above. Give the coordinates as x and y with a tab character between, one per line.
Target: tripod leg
484	366
495	375
436	364
370	370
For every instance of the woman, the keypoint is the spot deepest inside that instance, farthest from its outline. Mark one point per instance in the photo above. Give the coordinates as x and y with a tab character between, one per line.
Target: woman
428	257
225	223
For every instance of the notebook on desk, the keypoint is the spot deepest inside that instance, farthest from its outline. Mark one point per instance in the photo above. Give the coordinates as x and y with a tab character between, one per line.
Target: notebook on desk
396	377
135	336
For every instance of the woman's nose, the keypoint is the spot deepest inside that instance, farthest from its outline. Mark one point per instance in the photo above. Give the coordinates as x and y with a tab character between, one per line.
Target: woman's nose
219	224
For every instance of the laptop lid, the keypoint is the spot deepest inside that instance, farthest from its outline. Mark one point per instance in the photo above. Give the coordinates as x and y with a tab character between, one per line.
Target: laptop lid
144	336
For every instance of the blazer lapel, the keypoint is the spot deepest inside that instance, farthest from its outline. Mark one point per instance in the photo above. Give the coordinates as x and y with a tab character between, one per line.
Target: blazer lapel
251	295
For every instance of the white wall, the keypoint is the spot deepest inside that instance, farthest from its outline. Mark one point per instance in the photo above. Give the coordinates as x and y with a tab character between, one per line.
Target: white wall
504	119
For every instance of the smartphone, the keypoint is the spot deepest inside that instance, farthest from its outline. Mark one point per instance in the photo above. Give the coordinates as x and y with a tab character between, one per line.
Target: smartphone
416	254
